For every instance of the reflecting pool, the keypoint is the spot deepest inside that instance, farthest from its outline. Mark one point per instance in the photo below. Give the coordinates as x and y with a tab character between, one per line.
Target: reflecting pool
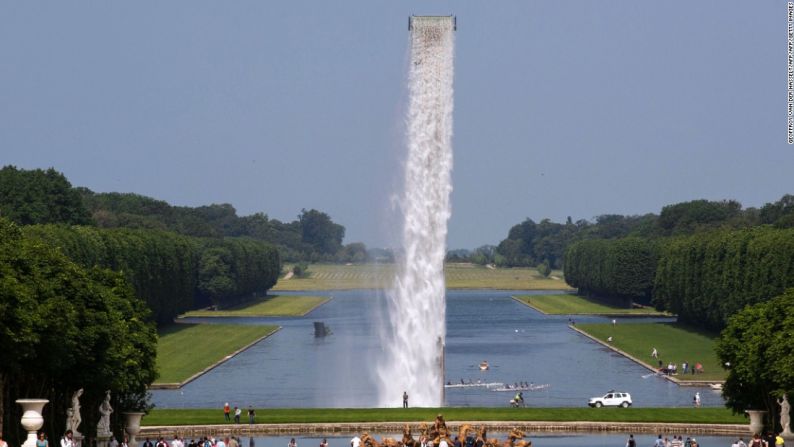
293	368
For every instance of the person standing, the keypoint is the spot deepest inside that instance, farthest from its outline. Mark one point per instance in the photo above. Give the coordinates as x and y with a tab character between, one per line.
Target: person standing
697	399
148	443
405	399
655	353
251	415
124	442
237	412
659	442
226	412
631	442
42	441
324	443
292	443
355	442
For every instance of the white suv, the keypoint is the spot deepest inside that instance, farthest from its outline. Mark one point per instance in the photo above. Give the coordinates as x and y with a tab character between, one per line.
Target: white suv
611	399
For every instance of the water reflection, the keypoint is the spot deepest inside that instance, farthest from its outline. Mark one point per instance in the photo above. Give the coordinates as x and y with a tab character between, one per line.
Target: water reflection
293	368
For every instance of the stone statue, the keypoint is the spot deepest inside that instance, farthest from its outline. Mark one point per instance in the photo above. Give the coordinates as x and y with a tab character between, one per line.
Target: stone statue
103	427
785	418
73	418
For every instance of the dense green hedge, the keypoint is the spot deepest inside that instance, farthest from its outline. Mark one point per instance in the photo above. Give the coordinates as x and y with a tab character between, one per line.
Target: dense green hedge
615	268
163	266
703	278
708	277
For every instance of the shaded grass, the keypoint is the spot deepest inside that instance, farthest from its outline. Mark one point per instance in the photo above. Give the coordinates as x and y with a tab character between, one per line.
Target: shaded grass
674	343
186	349
268	306
341	415
566	304
458	276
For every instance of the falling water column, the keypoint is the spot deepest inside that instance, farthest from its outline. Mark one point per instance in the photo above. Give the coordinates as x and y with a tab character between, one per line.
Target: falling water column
414	339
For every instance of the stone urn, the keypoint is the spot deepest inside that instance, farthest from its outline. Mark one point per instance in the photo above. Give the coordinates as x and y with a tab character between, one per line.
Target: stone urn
756	421
132	426
32	420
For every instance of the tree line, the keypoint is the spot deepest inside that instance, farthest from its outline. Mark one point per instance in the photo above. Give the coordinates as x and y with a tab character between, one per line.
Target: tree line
171	272
704	278
531	243
38	196
312	237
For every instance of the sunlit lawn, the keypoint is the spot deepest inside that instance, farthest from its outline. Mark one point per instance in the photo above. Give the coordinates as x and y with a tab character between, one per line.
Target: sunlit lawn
674	343
340	415
458	276
186	349
269	306
565	304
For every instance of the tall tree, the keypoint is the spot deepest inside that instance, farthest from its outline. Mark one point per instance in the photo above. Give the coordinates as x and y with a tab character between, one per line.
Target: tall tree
38	197
756	348
320	232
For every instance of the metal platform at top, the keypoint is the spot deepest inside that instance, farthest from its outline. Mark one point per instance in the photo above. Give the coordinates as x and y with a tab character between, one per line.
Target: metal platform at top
453	18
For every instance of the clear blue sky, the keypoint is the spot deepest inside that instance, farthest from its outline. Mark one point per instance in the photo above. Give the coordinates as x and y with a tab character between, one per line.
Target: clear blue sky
574	108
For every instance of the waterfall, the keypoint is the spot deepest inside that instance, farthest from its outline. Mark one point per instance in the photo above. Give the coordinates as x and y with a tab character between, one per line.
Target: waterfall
413	339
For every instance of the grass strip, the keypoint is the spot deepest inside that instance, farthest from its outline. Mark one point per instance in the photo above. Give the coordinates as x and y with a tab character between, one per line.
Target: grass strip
343	415
268	306
187	349
566	304
458	276
674	343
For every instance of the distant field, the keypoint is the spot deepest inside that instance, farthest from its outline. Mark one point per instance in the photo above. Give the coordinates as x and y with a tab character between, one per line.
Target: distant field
458	276
566	304
187	349
269	306
674	343
159	416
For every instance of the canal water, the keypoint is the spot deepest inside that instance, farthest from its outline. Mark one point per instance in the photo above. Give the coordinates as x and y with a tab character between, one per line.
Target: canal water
293	368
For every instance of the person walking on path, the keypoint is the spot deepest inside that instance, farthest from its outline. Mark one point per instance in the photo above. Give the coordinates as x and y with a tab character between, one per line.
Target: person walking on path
697	399
405	399
226	410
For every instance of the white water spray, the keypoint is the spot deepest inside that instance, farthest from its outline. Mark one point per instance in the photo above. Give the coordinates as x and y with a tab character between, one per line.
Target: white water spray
413	340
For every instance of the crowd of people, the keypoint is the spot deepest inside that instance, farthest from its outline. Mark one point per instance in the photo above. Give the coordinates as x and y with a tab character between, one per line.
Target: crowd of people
667	441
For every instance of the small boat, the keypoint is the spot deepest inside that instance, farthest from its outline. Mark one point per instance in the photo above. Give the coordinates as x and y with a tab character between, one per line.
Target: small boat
484	365
715	386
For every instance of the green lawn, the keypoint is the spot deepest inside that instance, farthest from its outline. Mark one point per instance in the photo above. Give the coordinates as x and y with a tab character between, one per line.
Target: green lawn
674	343
269	306
341	415
566	304
458	276
186	349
